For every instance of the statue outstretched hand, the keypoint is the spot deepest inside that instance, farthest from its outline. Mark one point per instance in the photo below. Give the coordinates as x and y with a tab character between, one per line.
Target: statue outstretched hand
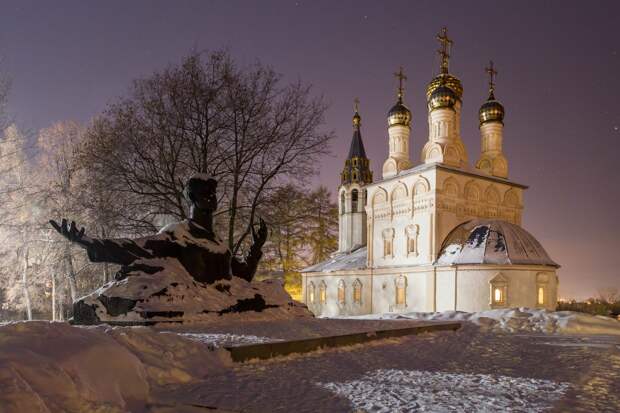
70	232
259	237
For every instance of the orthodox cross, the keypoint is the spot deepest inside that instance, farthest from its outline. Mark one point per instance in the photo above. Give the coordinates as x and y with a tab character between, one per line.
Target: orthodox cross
444	52
356	104
400	75
492	73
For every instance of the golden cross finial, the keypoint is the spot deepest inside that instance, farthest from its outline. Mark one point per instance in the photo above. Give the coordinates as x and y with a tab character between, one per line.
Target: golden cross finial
356	105
444	52
400	75
492	73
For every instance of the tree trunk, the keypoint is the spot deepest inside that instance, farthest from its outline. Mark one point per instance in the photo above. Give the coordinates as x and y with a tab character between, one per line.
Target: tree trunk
70	272
53	296
25	284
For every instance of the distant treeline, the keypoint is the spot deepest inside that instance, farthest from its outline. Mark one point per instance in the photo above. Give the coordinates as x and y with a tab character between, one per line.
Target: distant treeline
592	306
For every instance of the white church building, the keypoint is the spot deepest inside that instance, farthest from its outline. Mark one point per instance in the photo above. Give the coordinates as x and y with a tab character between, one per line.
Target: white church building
437	236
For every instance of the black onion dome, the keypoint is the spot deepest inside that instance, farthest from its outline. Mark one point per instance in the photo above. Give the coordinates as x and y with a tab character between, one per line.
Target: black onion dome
491	111
399	115
442	97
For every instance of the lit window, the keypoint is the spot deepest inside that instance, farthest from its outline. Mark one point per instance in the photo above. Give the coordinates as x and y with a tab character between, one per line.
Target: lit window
323	293
499	291
311	292
401	291
341	292
357	292
498	296
541	295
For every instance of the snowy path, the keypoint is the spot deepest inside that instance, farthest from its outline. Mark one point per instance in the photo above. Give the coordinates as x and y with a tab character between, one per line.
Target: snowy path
469	370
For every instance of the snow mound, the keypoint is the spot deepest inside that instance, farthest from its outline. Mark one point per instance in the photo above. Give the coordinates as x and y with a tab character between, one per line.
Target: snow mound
518	320
55	367
412	390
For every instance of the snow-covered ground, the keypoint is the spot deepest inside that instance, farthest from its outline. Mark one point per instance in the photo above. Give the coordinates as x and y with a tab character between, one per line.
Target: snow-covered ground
392	390
517	320
55	367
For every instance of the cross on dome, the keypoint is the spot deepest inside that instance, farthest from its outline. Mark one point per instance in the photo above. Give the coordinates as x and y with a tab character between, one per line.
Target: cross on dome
444	52
400	75
492	73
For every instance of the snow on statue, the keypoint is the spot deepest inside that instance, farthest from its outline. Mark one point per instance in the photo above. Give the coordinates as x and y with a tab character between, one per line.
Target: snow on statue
184	272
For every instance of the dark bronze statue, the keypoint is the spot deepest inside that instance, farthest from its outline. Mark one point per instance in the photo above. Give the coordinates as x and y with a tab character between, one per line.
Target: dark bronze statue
192	242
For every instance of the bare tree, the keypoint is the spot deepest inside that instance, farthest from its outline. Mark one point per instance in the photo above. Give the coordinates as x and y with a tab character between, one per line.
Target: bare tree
206	115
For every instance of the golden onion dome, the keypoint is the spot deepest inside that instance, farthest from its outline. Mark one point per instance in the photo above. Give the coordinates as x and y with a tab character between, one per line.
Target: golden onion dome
442	97
450	81
491	111
399	115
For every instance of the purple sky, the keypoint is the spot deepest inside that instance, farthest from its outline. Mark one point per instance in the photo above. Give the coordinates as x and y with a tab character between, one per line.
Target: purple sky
558	63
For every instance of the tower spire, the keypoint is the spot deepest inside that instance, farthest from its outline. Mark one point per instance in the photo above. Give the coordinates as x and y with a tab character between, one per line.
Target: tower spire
357	119
492	73
400	75
444	51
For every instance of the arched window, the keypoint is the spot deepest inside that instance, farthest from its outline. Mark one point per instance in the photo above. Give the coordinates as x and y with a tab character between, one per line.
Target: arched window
341	293
401	290
354	200
365	198
357	292
311	292
323	293
412	232
542	280
388	241
341	203
499	291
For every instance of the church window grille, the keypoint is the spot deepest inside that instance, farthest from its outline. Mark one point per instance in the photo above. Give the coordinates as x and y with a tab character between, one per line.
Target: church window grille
341	293
412	233
401	291
499	291
323	293
311	292
354	200
541	295
342	203
388	243
357	292
542	279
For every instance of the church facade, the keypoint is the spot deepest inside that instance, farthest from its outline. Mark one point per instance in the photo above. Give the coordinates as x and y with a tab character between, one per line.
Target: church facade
437	236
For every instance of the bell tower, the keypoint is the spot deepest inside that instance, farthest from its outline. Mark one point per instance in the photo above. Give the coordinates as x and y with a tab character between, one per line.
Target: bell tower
352	194
444	99
491	114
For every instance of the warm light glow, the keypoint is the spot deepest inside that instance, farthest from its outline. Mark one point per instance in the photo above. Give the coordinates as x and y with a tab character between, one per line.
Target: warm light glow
341	298
541	295
323	294
497	295
357	293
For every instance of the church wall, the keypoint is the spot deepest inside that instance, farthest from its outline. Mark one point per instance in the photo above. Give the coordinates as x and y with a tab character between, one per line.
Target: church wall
401	210
332	307
418	290
474	286
461	198
446	289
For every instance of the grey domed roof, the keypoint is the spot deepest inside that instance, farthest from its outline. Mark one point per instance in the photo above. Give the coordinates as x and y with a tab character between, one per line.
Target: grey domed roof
482	241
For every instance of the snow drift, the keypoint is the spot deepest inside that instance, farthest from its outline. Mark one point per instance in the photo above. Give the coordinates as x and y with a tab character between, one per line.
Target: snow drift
518	320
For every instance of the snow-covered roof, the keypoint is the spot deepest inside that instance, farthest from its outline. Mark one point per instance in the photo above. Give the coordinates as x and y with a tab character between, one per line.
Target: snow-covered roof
492	242
350	260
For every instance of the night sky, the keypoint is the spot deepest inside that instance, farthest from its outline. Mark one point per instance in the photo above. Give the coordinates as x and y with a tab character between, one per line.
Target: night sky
558	63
